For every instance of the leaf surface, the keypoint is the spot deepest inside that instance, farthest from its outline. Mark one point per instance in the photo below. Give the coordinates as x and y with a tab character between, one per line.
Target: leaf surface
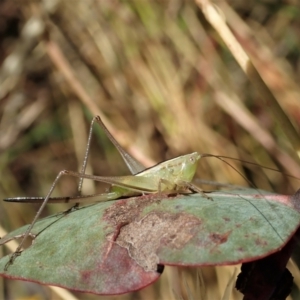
115	247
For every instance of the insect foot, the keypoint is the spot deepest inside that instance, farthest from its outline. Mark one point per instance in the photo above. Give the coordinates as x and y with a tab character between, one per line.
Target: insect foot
12	259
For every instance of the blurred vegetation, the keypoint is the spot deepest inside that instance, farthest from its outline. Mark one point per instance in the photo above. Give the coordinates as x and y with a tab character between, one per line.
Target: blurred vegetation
167	81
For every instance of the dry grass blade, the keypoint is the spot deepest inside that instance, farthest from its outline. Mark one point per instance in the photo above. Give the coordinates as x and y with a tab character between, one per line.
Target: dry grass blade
230	285
262	63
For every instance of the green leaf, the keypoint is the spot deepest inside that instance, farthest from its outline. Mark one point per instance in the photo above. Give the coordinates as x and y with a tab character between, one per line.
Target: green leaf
115	247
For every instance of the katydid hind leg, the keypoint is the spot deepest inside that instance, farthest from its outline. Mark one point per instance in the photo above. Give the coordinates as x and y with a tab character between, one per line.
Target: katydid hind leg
18	251
133	165
140	184
84	164
92	198
45	201
86	156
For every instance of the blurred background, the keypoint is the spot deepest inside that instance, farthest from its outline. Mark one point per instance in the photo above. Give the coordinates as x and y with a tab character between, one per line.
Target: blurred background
168	78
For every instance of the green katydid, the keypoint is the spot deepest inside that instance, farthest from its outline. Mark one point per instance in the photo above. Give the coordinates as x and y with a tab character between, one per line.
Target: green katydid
171	176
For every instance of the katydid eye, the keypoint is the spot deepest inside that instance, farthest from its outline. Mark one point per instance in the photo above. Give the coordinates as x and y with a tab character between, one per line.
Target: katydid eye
192	159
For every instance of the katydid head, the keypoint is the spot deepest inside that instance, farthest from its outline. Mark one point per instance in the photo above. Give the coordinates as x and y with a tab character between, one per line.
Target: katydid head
181	168
189	166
